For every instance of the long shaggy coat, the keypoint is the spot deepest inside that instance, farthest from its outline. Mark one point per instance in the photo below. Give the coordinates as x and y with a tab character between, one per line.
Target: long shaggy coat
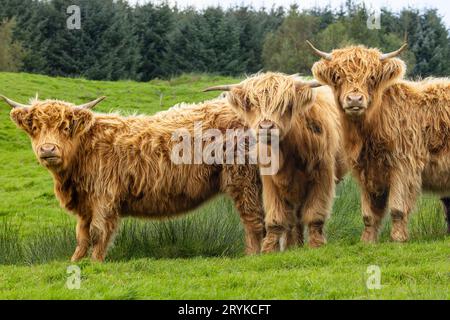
311	154
400	144
115	166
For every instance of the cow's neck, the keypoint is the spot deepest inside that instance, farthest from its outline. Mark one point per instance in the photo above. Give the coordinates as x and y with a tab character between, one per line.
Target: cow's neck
371	128
66	179
353	139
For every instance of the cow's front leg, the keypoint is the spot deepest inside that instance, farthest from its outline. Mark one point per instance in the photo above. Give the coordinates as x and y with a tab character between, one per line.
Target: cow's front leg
83	238
102	229
318	203
402	198
374	207
280	218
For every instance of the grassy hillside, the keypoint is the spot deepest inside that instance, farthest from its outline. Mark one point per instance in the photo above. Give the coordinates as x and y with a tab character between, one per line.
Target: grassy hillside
200	255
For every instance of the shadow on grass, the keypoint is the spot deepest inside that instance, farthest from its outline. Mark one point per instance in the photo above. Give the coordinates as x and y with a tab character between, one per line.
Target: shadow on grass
214	230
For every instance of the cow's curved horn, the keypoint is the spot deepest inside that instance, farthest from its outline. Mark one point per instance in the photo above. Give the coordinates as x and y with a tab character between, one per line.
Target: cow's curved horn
311	84
322	54
393	54
227	87
12	103
91	104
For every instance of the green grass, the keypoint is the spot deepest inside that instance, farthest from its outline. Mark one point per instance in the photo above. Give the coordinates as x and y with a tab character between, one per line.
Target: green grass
199	255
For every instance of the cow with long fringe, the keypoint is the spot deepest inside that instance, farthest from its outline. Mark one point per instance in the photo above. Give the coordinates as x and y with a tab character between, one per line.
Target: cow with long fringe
107	166
301	192
396	132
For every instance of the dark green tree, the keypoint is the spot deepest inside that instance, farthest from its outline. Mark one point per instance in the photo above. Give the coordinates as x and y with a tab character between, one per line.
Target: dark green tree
11	52
286	49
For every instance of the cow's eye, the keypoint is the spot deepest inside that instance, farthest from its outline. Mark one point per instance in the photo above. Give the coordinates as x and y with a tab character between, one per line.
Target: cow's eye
66	129
337	77
34	128
373	80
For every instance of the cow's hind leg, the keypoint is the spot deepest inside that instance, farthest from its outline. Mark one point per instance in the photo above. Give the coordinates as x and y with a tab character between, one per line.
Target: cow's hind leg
299	230
83	238
252	217
446	203
102	230
245	189
295	236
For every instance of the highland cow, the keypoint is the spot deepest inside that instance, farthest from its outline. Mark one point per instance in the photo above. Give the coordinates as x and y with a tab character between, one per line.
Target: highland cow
107	166
396	132
311	160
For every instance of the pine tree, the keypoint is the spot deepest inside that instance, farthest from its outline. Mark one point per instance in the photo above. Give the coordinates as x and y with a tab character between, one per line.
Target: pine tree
286	49
153	25
431	46
188	51
11	52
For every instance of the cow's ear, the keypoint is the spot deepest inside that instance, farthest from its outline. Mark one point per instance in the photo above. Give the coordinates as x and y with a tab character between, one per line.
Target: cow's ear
238	99
393	69
321	72
82	120
23	118
306	97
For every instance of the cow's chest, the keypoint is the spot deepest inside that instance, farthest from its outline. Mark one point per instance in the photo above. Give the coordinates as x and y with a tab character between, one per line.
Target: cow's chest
292	180
373	166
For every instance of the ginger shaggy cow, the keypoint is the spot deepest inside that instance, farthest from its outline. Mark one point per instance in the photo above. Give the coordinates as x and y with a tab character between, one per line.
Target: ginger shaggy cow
310	158
396	132
107	166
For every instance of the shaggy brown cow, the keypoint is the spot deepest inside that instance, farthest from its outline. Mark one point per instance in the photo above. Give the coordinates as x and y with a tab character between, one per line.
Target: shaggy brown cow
396	132
302	191
106	166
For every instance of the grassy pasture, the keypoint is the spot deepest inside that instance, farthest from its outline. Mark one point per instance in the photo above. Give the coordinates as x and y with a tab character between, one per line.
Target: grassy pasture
199	255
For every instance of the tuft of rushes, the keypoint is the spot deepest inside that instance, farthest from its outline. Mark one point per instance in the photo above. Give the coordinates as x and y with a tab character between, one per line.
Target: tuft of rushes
11	249
214	230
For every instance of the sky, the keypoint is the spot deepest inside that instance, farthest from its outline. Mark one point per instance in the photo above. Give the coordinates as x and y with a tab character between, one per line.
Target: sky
443	6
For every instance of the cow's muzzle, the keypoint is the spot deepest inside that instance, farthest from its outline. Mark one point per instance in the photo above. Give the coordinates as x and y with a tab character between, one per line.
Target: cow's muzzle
355	104
49	154
268	131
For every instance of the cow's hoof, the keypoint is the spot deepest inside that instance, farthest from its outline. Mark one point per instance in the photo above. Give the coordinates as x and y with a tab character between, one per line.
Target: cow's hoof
399	236
369	236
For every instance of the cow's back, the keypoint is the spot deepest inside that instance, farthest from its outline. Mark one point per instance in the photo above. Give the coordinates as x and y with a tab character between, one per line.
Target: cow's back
138	160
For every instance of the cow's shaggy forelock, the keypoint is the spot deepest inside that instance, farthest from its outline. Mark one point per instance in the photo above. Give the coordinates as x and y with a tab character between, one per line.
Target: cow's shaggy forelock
49	114
270	96
355	63
272	93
